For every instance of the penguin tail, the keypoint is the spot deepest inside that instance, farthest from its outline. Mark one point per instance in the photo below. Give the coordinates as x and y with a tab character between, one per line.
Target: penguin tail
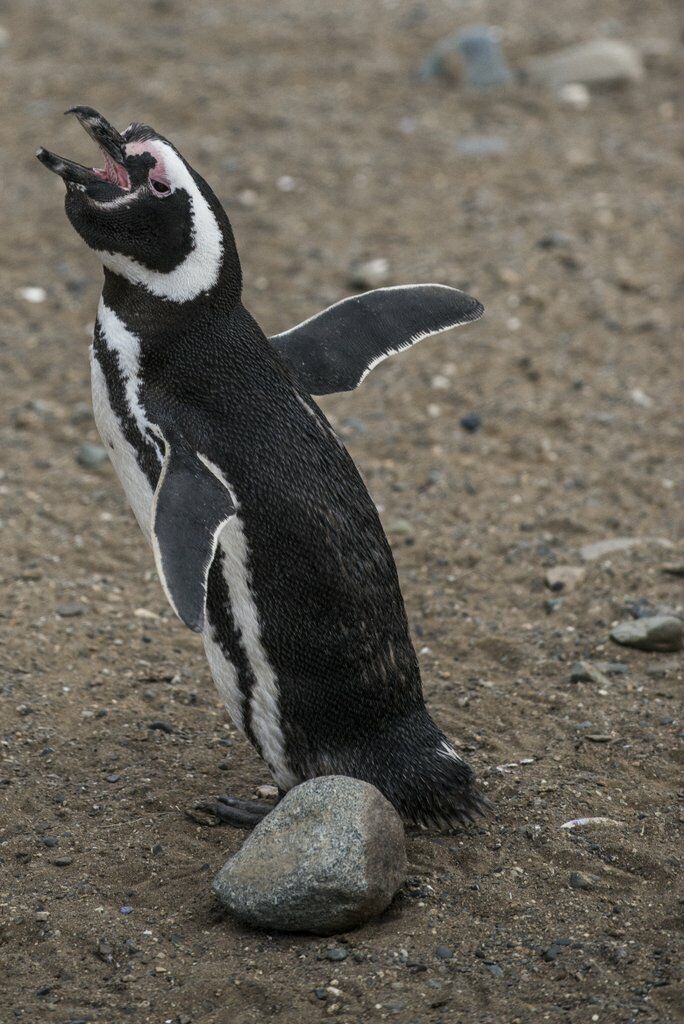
414	765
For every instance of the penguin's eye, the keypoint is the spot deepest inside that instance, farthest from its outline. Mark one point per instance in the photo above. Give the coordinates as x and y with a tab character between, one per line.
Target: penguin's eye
160	187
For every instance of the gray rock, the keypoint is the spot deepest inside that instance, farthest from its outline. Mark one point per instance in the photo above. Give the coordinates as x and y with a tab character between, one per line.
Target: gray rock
485	66
585	672
583	880
482	145
600	548
327	858
481	63
598	62
70	610
91	455
657	633
564	577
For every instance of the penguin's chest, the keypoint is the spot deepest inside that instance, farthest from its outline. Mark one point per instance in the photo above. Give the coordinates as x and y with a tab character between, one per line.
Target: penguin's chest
232	636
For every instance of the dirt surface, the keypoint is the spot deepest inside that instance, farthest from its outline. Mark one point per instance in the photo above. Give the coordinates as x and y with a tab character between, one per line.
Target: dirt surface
308	121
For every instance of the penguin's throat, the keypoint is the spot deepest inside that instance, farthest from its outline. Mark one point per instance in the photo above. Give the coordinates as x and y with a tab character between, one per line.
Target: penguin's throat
113	172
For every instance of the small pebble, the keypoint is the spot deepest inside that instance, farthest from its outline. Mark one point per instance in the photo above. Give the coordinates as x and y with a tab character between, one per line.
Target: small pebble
267	792
126	909
582	880
482	145
495	970
369	273
336	953
443	953
471	422
91	455
70	610
584	671
555	240
575	95
564	577
32	294
601	548
597	61
401	526
485	66
62	862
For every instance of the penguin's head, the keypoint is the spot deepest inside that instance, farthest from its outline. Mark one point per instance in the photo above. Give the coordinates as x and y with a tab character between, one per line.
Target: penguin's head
148	215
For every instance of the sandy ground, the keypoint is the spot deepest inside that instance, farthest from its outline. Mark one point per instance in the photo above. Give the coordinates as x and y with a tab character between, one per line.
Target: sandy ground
106	908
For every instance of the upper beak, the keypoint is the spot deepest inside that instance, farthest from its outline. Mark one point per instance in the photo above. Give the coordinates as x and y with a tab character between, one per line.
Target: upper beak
110	142
99	129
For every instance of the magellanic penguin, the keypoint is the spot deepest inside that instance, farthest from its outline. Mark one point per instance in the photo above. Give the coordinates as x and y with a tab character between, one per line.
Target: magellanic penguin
265	538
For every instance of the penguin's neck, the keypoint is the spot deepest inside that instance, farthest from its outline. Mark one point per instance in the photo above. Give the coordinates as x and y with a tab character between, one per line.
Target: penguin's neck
158	321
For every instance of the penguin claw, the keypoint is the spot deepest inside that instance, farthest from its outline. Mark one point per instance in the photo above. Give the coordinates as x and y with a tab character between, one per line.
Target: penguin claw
230	810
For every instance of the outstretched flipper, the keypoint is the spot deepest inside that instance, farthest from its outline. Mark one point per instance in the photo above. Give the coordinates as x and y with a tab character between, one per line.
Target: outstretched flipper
191	505
336	349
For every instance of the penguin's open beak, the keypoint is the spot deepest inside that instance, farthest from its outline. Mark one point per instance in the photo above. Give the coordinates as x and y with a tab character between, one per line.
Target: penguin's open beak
112	145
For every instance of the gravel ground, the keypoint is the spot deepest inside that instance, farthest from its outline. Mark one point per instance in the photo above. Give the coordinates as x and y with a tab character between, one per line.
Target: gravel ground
309	122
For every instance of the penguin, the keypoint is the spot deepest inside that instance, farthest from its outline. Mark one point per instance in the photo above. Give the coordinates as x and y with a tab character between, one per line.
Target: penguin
264	536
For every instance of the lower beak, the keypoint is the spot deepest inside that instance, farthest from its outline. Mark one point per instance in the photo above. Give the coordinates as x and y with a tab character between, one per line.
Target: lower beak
72	172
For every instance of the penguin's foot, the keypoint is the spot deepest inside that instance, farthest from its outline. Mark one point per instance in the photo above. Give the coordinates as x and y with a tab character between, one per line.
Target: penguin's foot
230	810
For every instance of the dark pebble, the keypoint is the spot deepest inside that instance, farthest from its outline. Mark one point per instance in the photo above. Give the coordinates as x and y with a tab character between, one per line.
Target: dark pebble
50	841
555	240
337	953
320	993
62	862
113	778
471	422
70	610
443	953
553	604
495	970
551	953
415	968
161	726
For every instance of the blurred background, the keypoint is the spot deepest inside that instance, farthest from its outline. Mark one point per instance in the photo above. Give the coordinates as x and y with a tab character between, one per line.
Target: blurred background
531	155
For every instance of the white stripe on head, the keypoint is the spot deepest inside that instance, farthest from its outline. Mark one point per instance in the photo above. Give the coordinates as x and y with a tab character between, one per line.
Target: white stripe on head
200	269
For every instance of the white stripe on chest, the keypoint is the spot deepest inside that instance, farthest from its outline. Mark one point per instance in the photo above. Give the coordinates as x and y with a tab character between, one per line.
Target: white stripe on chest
122	454
265	703
265	710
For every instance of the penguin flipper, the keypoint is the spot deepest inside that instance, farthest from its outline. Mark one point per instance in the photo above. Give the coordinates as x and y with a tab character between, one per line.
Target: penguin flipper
336	349
191	505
